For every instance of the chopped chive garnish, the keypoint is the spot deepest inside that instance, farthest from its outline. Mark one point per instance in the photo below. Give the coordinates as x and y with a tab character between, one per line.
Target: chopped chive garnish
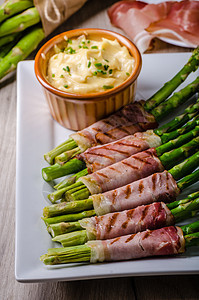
107	87
89	64
106	60
127	74
88	42
106	67
94	47
101	71
95	73
61	76
98	65
62	50
69	41
85	47
80	46
66	86
67	69
83	42
110	71
53	75
64	69
70	50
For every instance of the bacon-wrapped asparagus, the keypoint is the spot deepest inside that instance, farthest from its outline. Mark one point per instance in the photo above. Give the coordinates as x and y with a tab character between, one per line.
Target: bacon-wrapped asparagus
133	117
129	170
152	216
157	187
164	241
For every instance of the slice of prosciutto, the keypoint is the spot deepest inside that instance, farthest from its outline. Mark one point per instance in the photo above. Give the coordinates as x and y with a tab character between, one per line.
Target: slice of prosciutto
154	188
99	157
142	22
133	116
135	167
153	216
181	23
163	241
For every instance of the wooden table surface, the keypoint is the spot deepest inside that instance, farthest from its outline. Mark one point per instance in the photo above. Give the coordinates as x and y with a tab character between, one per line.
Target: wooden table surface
93	14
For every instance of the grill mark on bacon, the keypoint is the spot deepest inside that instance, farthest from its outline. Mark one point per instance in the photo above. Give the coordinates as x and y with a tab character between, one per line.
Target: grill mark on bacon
114	196
119	151
144	213
143	160
127	191
114	169
153	181
111	222
167	183
99	154
129	215
103	175
129	165
130	238
141	187
128	145
146	235
115	240
96	129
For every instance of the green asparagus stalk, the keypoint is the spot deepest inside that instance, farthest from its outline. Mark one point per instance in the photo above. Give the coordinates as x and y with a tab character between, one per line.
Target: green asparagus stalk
169	159
5	49
23	48
190	228
82	253
182	139
171	85
13	7
184	129
68	181
176	100
56	170
176	203
185	210
68	217
8	39
65	146
72	238
59	193
185	169
63	227
67	208
179	120
20	22
67	155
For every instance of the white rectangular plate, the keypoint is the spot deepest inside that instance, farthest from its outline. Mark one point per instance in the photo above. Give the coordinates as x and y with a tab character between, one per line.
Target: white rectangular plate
37	133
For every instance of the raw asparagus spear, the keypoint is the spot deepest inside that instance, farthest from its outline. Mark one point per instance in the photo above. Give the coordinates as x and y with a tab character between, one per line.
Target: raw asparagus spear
171	85
8	39
23	48
176	100
13	7
176	203
20	22
68	181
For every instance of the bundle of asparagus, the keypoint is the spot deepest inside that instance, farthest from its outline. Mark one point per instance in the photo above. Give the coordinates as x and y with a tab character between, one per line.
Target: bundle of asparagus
164	186
20	33
132	118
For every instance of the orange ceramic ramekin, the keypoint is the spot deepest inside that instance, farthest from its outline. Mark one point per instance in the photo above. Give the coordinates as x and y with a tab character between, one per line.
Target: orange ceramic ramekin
77	111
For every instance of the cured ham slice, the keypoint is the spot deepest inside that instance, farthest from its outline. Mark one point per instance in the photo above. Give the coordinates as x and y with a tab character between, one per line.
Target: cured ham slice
130	115
163	241
135	167
153	216
142	22
181	23
99	157
154	188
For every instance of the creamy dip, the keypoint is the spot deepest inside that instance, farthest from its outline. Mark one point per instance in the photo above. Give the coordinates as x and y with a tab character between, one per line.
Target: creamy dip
89	66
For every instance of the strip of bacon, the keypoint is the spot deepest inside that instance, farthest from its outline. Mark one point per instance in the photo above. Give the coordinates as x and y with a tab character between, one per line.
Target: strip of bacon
142	22
130	115
135	167
154	188
181	23
163	241
153	216
99	157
